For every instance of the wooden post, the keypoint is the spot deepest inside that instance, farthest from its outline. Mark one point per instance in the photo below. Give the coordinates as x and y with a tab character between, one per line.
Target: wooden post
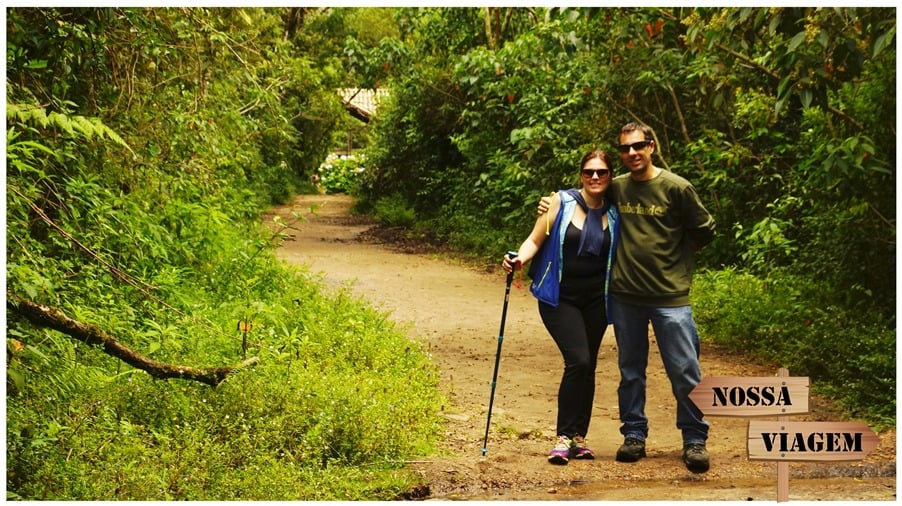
782	466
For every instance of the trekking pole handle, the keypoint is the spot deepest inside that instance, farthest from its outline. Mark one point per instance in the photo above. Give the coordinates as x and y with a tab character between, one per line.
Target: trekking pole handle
510	275
512	255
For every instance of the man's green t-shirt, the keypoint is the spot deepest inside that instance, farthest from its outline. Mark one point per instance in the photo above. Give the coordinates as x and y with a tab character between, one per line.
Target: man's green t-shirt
663	222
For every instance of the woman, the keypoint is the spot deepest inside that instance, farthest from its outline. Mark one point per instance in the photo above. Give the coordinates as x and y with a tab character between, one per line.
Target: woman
571	263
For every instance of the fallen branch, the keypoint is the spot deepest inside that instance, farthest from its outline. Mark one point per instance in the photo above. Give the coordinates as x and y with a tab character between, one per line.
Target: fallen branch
53	318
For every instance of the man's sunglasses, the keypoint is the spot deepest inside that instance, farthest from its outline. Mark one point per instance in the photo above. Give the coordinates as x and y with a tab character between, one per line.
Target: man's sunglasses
638	146
596	172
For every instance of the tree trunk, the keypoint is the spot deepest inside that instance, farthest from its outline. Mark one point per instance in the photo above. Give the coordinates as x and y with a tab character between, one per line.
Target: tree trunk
491	15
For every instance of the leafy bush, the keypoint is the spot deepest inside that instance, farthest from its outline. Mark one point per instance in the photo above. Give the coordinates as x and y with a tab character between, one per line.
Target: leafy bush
341	173
394	211
785	320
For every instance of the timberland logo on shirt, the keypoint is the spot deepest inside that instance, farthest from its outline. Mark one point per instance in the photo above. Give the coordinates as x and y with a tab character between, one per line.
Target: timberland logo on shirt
630	208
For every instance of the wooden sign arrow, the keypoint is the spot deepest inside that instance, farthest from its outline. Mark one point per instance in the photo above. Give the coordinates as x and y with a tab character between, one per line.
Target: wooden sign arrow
810	441
740	396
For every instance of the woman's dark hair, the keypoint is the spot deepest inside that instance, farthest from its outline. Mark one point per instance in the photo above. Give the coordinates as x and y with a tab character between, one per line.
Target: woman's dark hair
596	153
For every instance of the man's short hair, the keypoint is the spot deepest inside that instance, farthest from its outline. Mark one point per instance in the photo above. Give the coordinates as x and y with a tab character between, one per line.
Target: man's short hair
633	126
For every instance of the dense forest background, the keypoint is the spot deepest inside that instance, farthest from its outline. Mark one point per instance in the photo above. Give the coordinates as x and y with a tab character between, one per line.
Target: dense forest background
143	145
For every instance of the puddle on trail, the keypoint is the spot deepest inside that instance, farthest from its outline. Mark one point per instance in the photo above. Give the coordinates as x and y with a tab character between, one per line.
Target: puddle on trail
757	489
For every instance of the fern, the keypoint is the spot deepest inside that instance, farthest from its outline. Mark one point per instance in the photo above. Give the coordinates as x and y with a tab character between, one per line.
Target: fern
75	125
21	154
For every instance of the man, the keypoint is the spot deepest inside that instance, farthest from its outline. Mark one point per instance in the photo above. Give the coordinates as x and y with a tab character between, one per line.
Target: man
663	222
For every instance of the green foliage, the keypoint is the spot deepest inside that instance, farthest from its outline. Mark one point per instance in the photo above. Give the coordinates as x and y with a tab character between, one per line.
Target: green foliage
394	212
142	147
504	113
413	144
785	320
325	34
72	125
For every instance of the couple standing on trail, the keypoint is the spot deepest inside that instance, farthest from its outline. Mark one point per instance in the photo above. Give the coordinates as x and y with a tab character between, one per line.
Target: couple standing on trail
620	250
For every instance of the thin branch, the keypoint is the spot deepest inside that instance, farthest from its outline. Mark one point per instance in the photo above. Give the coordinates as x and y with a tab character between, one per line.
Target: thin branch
752	63
882	218
115	271
53	318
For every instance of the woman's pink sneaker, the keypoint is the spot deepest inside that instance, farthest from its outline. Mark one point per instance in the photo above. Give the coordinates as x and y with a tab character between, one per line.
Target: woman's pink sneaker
560	453
579	450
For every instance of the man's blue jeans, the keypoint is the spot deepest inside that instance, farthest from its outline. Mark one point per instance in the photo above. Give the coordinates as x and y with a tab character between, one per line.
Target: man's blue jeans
678	342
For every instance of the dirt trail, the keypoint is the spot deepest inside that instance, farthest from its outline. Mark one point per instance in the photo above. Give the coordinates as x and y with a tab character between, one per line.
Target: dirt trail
456	310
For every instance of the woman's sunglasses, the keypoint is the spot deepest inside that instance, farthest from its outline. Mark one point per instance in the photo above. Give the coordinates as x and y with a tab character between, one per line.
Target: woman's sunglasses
596	172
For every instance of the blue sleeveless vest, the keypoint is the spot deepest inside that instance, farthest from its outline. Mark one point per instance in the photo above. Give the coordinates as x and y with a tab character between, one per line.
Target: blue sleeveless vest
547	266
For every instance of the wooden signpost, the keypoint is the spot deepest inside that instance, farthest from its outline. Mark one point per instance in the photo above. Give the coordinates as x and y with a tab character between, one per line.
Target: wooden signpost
782	441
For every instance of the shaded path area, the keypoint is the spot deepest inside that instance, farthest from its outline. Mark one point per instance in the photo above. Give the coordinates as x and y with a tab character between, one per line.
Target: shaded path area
455	310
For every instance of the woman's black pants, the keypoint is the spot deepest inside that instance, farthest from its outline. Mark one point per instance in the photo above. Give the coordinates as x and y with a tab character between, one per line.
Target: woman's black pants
577	326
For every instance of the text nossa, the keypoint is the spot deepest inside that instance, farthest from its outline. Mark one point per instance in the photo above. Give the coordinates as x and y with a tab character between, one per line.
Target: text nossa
752	396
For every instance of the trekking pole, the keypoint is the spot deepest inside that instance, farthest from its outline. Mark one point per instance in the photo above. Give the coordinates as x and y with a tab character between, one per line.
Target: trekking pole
507	291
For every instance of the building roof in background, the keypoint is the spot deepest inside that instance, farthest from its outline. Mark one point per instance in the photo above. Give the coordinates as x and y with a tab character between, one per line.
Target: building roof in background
362	103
